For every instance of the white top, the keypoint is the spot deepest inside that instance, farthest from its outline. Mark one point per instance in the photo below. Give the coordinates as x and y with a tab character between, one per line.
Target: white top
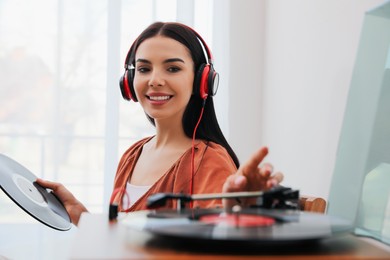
133	192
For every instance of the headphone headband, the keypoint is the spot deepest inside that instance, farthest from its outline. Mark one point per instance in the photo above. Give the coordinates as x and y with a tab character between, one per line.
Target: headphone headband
205	47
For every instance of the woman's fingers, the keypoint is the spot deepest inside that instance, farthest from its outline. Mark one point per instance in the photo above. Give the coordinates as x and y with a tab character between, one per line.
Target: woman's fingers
58	189
234	183
253	163
275	179
48	184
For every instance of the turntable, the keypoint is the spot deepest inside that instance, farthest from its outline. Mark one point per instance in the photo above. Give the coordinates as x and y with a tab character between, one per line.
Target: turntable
274	220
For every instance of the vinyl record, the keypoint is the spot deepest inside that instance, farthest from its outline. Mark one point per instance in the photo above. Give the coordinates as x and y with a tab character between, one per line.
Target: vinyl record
19	184
290	227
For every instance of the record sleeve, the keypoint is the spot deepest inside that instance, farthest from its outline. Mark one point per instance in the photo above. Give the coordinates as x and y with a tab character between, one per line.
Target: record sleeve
19	184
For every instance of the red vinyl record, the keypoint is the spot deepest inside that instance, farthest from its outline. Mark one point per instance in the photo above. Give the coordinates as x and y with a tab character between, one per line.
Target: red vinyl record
238	220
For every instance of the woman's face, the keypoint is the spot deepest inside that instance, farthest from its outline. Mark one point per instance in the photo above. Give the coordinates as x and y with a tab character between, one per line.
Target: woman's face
163	79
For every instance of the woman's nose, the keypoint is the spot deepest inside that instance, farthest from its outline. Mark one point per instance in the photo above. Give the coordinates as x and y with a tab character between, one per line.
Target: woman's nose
156	79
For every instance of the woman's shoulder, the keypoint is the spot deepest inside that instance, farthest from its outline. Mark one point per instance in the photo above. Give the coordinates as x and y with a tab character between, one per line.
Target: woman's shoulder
216	153
213	148
135	147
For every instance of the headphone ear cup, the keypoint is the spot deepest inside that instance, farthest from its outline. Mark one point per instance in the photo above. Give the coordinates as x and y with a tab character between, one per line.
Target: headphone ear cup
126	86
123	87
212	81
198	76
201	81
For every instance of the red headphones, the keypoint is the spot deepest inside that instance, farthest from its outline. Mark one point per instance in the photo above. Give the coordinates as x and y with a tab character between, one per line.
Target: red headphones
205	82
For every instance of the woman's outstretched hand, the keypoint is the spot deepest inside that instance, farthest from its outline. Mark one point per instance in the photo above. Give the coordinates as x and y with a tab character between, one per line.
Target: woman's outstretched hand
252	176
71	204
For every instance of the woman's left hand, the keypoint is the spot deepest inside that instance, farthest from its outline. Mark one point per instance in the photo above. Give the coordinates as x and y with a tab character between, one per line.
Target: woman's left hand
252	176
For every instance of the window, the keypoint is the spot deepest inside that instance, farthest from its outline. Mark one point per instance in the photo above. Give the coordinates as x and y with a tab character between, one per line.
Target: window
62	115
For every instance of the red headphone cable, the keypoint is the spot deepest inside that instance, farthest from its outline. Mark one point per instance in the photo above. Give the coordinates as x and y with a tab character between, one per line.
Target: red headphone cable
193	150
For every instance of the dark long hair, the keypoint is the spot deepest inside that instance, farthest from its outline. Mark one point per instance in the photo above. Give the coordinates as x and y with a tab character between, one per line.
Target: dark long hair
208	128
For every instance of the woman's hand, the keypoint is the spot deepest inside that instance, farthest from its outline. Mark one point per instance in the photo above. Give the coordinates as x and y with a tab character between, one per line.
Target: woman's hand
71	204
252	177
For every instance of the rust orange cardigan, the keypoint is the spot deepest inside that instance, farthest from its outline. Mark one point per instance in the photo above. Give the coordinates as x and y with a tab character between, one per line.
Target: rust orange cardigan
212	166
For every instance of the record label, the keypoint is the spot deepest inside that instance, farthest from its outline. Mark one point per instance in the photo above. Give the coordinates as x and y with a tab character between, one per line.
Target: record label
29	190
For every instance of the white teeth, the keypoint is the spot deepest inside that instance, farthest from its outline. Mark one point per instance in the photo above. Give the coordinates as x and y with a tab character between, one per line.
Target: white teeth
159	98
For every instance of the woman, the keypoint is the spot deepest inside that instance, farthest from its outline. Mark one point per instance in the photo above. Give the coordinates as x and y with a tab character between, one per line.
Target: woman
169	71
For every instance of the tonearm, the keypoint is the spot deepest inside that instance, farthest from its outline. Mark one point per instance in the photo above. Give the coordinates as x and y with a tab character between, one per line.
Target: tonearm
279	197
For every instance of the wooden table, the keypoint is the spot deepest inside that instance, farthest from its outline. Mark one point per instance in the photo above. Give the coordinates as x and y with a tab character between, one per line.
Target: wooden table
97	238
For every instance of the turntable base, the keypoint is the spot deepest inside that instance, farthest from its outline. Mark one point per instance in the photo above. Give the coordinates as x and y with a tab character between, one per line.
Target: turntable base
115	241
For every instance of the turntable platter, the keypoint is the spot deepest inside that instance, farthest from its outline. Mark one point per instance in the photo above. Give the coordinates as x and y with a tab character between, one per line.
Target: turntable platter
296	226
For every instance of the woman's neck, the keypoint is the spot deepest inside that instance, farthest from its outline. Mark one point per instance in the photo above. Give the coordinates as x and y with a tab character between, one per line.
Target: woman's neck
169	135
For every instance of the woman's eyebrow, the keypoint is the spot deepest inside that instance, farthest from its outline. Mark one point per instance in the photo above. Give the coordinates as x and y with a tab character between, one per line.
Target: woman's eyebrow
143	61
165	61
174	60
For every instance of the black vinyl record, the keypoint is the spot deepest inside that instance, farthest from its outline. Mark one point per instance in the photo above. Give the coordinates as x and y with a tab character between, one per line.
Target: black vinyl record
20	186
289	226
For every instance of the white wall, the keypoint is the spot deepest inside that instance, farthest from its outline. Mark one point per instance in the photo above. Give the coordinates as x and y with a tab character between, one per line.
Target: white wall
290	66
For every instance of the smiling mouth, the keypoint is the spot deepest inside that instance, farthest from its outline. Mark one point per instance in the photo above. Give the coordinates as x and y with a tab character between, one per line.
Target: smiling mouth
159	98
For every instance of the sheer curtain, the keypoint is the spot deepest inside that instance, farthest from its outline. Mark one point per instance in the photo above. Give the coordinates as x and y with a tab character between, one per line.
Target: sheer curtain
61	114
